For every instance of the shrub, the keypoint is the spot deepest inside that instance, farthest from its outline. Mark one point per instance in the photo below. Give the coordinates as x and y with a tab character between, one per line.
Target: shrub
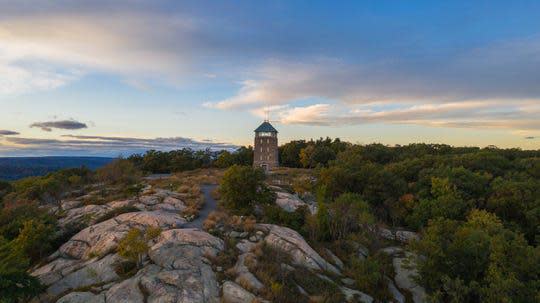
134	245
370	275
120	171
242	187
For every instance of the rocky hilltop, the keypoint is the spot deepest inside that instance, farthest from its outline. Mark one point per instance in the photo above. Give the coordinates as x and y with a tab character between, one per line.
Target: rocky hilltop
223	264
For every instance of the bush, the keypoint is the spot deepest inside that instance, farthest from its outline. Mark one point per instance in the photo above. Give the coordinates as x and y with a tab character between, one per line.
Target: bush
370	275
120	171
134	245
242	187
276	215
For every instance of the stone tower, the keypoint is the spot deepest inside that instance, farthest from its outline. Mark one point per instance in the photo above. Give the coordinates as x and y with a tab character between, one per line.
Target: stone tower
265	153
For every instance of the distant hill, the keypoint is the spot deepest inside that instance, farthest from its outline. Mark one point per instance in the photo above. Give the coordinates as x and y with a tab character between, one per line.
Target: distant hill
13	168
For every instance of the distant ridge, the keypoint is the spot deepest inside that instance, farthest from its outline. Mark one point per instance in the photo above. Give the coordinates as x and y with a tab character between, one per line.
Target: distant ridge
13	168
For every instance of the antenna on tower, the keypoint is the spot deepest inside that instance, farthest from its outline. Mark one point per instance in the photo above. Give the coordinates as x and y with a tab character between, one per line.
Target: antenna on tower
266	114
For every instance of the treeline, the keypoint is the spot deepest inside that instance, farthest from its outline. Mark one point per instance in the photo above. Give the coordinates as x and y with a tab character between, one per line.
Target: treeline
157	162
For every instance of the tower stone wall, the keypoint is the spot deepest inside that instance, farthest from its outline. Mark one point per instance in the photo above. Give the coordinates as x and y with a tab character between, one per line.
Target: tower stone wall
265	152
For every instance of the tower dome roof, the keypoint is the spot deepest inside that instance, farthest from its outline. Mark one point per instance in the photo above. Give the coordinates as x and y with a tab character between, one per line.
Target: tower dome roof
265	127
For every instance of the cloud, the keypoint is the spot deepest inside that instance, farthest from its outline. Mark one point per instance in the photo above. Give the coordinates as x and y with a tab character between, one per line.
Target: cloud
102	145
64	124
472	114
8	133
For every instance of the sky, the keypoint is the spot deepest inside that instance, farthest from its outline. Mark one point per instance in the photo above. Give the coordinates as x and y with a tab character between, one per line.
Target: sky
117	77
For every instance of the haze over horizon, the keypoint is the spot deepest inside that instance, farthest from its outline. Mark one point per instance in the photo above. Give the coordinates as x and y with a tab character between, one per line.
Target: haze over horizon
109	78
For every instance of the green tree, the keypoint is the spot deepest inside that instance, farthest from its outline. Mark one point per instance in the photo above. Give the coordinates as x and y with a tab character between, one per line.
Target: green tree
35	239
120	171
477	261
16	284
242	187
134	245
289	153
348	213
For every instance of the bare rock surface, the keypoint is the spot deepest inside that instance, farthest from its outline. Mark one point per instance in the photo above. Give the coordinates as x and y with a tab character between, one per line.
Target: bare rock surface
403	236
352	295
290	202
234	293
152	199
82	297
102	238
178	271
244	276
405	271
293	243
96	272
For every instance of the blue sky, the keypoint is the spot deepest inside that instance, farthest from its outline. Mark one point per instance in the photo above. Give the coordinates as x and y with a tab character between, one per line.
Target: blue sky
109	78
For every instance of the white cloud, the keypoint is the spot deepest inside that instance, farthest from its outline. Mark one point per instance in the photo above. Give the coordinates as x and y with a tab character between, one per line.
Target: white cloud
46	52
473	114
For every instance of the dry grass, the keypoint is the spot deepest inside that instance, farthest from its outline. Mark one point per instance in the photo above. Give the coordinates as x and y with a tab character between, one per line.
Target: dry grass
189	184
221	218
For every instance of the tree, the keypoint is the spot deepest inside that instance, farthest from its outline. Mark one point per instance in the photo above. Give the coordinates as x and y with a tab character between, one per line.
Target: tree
120	171
347	214
313	155
447	203
478	260
134	245
224	160
15	283
242	187
289	153
35	239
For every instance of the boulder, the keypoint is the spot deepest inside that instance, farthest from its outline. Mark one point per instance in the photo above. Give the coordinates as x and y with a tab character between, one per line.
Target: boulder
292	243
290	203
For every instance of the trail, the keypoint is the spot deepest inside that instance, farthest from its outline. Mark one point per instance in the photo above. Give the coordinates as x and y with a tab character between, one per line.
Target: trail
210	205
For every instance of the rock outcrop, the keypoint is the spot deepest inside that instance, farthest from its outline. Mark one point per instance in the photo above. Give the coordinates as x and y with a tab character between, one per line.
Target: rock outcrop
404	267
291	242
403	236
234	293
102	238
290	202
176	269
76	212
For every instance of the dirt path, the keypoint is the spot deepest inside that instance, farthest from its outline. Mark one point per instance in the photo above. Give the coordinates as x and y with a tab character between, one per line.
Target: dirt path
210	204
